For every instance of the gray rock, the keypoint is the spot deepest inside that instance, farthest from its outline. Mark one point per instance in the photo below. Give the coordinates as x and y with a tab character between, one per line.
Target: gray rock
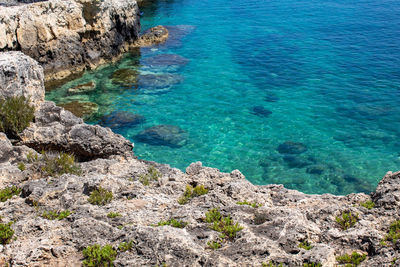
163	135
20	75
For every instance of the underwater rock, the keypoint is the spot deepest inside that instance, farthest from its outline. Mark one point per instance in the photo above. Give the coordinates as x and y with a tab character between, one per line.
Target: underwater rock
163	135
290	147
125	77
296	162
119	119
176	33
316	169
261	111
80	109
153	36
153	82
83	88
164	61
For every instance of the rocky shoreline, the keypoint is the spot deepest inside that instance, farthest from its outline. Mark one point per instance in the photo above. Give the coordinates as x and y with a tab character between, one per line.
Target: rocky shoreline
152	214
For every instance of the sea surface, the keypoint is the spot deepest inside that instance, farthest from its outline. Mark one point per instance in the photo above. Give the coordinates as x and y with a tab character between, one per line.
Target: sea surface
295	92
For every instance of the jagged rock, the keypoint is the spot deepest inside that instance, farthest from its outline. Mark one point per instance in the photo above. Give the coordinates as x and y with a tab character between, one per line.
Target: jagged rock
58	129
119	119
20	75
153	36
387	194
66	37
163	135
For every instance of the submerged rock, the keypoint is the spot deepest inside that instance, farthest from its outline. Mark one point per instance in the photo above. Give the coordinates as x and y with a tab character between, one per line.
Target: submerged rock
119	119
294	161
125	77
290	147
83	88
163	135
153	36
80	109
261	111
316	169
165	61
271	98
154	82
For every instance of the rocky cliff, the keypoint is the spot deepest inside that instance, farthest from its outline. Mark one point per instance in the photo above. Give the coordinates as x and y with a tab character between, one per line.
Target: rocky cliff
66	37
151	214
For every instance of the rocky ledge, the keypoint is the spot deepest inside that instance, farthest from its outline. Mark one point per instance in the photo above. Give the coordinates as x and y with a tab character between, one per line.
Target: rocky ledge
66	37
149	214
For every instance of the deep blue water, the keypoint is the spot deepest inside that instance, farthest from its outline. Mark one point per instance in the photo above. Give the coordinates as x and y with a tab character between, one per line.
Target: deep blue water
323	75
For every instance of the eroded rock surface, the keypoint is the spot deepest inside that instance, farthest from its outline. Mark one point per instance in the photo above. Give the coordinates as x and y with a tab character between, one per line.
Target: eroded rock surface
66	37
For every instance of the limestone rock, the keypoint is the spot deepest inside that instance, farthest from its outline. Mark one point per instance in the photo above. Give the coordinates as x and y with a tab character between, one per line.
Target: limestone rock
153	36
20	75
66	37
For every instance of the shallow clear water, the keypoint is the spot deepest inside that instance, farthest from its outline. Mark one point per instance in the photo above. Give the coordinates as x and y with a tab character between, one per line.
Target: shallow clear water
321	73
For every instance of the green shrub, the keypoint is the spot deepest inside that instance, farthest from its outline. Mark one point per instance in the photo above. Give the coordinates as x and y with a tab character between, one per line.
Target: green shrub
312	264
368	204
21	166
225	225
100	196
15	115
214	245
305	245
152	175
113	214
394	233
191	192
253	205
9	192
173	223
54	215
354	259
347	220
125	246
55	165
32	157
96	256
6	233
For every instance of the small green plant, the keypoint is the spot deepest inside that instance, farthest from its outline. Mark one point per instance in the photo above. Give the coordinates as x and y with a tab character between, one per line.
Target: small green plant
354	259
191	192
394	233
6	233
225	225
271	264
312	264
113	214
368	204
125	246
251	204
54	215
173	223
347	220
32	157
393	261
61	163
15	115
97	256
100	196
152	175
214	245
305	245
120	227
21	166
9	192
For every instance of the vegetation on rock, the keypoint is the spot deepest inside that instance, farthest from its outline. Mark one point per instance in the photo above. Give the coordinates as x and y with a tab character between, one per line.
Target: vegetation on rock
251	204
58	164
271	264
225	225
354	259
394	233
15	115
312	264
54	215
6	233
368	204
305	245
173	223
347	220
152	175
97	256
191	192
113	214
100	196
214	245
125	246
9	192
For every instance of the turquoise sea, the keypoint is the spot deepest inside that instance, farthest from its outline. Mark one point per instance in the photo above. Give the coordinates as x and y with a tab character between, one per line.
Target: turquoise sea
303	93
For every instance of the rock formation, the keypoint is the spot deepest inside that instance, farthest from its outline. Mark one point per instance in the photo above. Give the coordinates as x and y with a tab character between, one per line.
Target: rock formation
66	37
